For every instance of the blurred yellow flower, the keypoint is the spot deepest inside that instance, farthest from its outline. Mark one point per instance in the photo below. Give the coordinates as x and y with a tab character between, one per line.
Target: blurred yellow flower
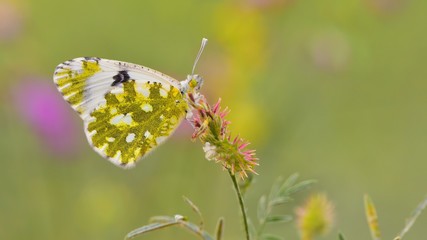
315	217
242	33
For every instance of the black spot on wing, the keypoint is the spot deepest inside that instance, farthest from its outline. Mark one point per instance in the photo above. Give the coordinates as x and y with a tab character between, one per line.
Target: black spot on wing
96	59
120	77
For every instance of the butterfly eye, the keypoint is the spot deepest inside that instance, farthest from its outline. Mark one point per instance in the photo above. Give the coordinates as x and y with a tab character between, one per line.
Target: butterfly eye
193	83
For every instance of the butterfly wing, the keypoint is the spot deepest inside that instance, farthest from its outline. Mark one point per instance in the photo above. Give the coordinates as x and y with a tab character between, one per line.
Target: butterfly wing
127	109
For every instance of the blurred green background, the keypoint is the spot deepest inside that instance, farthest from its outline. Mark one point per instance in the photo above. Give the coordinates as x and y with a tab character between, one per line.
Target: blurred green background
334	90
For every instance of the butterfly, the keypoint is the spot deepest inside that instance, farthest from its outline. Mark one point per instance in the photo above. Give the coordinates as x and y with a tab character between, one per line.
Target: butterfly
127	109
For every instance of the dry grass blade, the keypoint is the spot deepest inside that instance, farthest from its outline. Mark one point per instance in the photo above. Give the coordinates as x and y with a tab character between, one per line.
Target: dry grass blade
219	229
152	227
372	218
195	209
412	219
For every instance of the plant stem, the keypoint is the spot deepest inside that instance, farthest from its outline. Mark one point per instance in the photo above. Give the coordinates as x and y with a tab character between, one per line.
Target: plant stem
241	203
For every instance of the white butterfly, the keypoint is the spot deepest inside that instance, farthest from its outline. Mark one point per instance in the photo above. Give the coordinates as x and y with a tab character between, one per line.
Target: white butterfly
127	109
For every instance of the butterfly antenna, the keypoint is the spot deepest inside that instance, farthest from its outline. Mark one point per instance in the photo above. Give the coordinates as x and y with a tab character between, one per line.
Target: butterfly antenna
204	42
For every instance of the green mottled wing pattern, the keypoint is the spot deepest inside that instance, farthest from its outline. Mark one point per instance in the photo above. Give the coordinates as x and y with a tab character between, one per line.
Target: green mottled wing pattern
127	109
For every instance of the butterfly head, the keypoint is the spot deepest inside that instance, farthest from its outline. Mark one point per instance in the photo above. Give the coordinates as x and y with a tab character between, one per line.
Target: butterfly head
193	83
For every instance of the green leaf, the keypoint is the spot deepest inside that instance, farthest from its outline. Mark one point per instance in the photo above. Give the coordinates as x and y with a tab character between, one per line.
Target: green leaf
279	219
288	183
268	236
262	208
340	236
279	201
275	188
219	229
298	187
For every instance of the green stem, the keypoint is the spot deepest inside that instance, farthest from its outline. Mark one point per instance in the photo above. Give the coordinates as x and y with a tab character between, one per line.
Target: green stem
241	203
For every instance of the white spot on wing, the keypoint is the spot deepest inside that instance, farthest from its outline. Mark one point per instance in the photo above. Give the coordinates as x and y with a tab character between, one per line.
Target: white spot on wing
126	119
163	93
116	119
160	139
143	89
110	139
90	119
147	107
76	67
101	149
147	134
130	137
118	156
117	90
91	133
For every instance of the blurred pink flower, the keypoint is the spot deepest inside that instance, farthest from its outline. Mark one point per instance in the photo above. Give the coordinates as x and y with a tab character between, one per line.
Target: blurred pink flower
330	51
42	107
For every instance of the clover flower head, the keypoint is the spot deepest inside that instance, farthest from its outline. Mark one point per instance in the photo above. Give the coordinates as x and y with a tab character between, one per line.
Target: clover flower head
211	127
